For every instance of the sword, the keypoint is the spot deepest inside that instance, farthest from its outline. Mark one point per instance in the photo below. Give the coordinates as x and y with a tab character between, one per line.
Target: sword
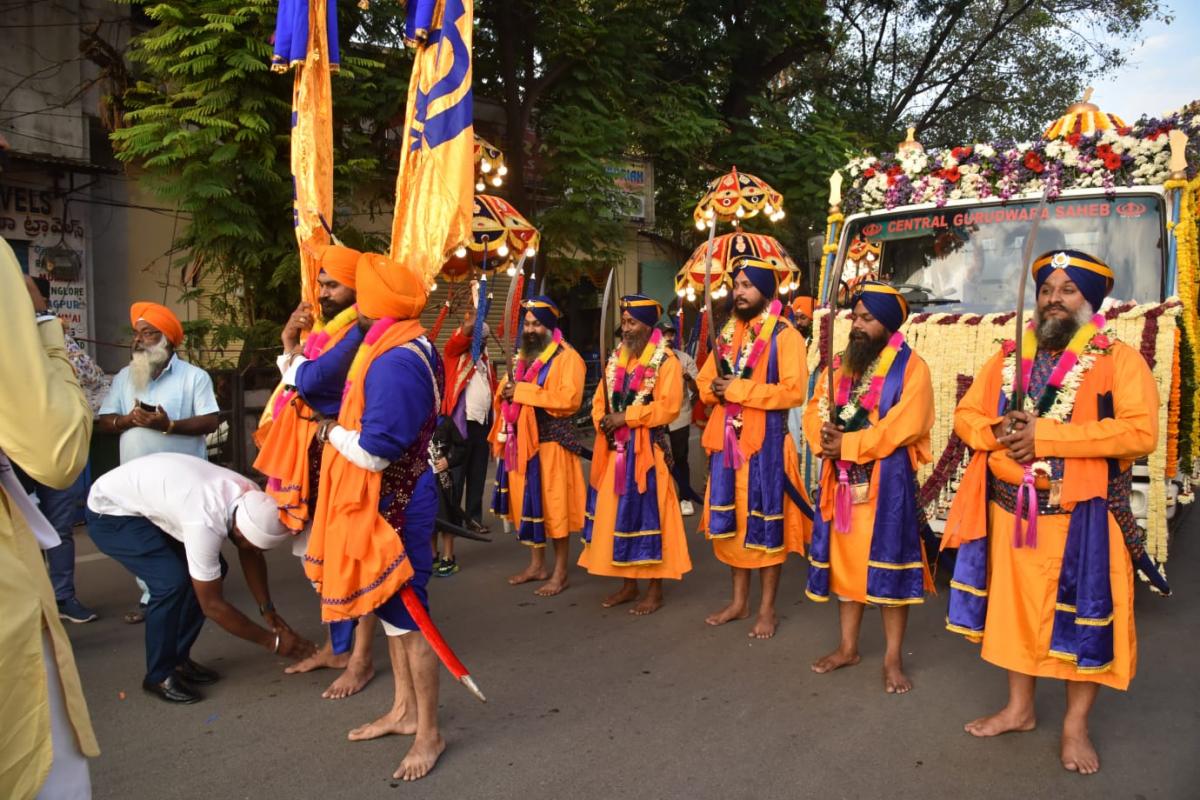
1018	398
446	526
708	309
432	635
605	332
508	309
831	302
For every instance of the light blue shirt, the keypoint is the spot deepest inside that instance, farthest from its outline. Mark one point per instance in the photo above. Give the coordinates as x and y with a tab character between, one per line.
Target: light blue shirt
182	389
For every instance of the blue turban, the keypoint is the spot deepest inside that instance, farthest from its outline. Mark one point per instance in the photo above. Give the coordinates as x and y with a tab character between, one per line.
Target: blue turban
644	309
1090	274
885	303
760	273
543	310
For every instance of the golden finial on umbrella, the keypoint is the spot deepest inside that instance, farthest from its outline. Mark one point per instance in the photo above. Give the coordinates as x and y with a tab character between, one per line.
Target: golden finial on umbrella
490	168
735	196
1084	118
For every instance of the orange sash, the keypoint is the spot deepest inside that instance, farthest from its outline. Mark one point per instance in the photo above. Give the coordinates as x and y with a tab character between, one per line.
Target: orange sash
355	559
283	456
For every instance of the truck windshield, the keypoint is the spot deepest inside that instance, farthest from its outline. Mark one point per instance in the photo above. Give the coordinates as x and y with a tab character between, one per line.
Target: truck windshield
967	258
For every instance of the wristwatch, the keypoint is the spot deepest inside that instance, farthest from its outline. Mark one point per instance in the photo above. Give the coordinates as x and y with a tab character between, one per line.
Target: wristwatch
266	608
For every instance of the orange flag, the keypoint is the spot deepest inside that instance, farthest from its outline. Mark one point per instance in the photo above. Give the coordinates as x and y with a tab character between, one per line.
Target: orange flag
435	184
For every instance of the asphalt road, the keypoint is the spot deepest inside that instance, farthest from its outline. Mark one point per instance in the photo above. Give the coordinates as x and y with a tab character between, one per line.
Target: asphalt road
592	703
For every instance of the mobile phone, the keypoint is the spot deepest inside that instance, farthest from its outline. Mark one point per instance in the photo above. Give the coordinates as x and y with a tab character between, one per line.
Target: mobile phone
147	407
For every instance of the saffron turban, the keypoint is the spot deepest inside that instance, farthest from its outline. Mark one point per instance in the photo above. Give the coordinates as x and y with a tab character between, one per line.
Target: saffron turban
645	310
1093	277
158	317
760	273
340	263
387	288
885	303
803	305
544	310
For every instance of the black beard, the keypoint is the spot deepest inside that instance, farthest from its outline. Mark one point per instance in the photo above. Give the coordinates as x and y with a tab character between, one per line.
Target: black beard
749	313
805	330
862	352
331	308
533	344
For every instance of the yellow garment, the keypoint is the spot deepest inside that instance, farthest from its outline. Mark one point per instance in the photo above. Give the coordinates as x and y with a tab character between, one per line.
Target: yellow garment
1022	584
564	493
596	557
907	425
755	394
45	428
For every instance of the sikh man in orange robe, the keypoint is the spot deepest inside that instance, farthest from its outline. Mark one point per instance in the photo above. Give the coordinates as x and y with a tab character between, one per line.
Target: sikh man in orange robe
1041	520
314	375
867	537
634	528
756	510
539	479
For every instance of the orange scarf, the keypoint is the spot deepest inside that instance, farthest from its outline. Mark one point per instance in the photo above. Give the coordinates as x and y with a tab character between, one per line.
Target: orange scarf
356	559
754	420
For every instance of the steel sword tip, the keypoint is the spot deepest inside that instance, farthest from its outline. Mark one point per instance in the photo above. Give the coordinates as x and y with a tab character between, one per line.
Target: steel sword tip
472	687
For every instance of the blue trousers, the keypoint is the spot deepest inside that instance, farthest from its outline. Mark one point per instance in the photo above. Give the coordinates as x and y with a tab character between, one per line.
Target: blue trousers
62	507
173	618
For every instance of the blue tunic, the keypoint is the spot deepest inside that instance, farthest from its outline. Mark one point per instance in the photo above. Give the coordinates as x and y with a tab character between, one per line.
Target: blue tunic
320	382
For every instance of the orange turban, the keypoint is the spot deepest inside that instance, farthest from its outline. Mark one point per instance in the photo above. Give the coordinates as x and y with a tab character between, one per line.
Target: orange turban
339	263
803	305
387	288
160	317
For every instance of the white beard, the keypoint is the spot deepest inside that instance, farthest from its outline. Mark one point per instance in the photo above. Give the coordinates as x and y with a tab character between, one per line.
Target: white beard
145	364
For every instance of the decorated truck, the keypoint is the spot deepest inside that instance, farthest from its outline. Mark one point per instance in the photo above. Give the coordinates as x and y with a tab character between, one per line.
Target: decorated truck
949	228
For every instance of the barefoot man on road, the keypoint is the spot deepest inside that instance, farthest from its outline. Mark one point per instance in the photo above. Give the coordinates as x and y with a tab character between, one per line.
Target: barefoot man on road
539	480
755	511
866	545
1051	594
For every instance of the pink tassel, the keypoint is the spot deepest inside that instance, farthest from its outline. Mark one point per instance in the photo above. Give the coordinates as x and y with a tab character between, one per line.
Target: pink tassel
620	468
733	452
841	501
1026	498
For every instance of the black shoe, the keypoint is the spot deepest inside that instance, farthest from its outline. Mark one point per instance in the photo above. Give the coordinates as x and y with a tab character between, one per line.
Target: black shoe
475	526
195	673
173	690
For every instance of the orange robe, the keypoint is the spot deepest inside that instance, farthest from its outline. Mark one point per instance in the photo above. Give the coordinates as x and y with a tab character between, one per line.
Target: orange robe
756	395
597	557
1023	583
907	425
564	493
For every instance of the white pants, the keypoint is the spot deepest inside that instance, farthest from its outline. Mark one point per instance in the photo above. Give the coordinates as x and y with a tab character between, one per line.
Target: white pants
69	778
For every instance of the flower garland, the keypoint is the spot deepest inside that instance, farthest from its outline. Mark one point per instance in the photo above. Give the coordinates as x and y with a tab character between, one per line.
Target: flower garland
628	389
1136	155
1057	400
754	345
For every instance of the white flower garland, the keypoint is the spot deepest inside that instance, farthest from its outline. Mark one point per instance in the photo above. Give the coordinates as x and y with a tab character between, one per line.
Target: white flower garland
649	379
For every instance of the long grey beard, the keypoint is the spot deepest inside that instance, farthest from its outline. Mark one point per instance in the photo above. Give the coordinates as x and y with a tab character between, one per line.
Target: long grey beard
144	364
1055	334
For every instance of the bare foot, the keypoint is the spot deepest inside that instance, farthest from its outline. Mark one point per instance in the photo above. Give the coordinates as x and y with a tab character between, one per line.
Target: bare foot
894	679
728	614
322	659
1078	754
356	676
647	605
764	625
627	594
836	660
421	758
528	575
396	722
1005	720
551	587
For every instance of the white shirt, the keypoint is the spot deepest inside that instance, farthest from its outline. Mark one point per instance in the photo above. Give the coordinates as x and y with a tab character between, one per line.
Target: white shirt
186	497
479	393
685	408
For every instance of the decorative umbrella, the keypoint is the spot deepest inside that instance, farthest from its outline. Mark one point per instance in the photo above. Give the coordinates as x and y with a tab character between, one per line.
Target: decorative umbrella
498	235
735	196
1084	117
489	165
727	250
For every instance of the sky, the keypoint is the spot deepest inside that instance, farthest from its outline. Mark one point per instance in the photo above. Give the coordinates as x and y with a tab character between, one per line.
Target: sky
1163	71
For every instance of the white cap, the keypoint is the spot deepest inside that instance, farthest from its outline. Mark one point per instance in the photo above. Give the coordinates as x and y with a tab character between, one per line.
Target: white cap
257	517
